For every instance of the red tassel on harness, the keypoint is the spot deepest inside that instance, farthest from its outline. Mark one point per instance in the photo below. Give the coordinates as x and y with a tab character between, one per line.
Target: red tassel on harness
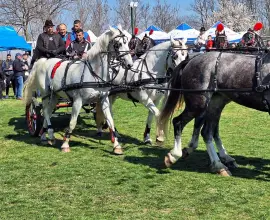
136	30
220	27
258	26
151	32
55	68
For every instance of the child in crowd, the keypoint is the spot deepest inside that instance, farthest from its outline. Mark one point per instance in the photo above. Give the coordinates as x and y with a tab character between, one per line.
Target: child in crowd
209	44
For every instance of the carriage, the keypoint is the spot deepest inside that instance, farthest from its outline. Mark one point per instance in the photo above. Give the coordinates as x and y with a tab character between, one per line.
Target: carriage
34	109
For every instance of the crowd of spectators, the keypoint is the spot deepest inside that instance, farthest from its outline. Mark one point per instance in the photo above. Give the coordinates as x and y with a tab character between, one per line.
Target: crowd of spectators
51	43
13	72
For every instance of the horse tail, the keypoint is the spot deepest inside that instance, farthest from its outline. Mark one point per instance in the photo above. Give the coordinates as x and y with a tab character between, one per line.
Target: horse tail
30	85
174	99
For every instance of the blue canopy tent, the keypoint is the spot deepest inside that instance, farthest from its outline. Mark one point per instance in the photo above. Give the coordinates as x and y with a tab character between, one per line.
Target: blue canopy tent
10	40
185	31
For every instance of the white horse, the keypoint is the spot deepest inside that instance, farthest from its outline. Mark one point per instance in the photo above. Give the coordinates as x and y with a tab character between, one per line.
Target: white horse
81	83
151	69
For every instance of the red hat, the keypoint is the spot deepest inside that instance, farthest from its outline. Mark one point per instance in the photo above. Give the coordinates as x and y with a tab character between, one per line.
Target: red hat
220	27
258	26
136	30
151	32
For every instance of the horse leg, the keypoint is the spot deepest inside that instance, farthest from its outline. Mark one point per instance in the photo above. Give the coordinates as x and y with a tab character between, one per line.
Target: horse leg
112	99
153	111
76	107
179	123
43	131
105	103
224	157
146	135
44	128
47	113
193	144
99	119
212	116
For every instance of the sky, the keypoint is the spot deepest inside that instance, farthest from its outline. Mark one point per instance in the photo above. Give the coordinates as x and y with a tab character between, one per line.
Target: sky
184	7
183	3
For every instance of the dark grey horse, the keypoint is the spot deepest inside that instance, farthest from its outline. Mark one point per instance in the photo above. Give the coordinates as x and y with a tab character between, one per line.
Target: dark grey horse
233	77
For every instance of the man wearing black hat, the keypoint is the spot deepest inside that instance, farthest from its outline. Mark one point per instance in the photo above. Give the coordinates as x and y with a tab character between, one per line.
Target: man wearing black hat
201	39
49	44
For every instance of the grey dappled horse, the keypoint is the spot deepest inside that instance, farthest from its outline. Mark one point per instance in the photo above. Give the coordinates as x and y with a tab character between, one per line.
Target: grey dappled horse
232	71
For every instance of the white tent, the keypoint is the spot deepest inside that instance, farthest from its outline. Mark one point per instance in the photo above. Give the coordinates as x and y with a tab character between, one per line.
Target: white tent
92	36
233	37
158	35
185	31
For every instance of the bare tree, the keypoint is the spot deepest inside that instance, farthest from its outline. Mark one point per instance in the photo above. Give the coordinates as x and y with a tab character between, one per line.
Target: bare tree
81	10
122	14
23	13
99	16
165	15
143	16
204	9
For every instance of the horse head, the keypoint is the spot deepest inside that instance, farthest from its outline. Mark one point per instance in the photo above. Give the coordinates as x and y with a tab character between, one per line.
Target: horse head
143	45
119	46
179	51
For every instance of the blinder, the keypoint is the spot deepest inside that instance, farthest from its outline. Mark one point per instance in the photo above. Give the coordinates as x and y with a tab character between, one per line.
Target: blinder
117	44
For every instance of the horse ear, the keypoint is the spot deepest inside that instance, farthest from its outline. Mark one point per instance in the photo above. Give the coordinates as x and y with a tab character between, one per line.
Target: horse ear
112	29
184	41
119	26
172	41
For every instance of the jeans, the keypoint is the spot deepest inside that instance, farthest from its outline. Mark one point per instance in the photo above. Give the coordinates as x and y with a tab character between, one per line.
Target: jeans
10	78
18	86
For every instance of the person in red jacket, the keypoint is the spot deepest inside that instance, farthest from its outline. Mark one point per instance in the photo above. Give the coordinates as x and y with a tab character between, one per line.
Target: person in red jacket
209	43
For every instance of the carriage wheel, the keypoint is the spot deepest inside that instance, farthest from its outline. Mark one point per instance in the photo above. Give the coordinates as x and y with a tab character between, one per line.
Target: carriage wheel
34	118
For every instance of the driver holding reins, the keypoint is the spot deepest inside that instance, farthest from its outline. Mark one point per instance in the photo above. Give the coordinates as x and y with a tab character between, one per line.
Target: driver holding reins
78	48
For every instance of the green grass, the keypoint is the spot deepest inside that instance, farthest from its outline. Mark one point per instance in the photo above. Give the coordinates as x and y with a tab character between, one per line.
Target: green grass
40	182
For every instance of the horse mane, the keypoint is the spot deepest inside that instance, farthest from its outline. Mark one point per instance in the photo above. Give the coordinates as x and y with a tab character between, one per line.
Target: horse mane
101	45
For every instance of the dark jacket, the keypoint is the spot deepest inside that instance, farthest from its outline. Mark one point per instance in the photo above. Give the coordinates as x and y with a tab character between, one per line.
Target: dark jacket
18	67
5	67
2	74
78	48
73	36
42	49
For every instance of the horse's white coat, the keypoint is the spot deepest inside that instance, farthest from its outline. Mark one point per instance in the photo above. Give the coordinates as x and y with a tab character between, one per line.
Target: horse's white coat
40	79
156	60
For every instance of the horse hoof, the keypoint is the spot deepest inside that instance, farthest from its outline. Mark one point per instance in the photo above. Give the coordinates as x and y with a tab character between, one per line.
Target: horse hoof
224	172
231	165
148	141
118	151
66	150
52	142
168	162
185	153
159	143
